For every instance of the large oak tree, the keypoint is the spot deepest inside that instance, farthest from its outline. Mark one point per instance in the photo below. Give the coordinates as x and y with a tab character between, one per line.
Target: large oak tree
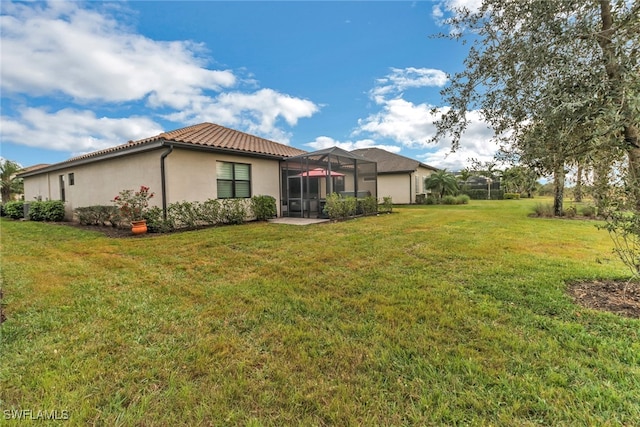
558	80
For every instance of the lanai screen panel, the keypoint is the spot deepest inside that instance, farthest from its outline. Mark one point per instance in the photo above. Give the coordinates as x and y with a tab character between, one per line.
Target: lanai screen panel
334	170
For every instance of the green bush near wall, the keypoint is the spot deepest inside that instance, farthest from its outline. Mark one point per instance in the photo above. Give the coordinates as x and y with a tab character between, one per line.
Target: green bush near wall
49	210
338	207
387	205
14	209
263	207
368	205
98	215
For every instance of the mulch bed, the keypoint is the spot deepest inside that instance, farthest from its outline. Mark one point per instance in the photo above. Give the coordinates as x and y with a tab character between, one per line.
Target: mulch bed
113	232
619	297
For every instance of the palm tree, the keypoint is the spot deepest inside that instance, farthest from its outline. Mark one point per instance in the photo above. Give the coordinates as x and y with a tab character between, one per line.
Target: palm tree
9	184
442	182
463	176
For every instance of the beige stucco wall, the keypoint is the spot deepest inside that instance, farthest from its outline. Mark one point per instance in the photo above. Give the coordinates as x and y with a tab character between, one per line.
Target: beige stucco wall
99	182
403	187
38	187
398	186
421	173
190	176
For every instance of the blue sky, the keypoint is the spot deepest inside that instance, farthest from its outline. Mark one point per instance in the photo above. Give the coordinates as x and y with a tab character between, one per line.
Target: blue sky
82	76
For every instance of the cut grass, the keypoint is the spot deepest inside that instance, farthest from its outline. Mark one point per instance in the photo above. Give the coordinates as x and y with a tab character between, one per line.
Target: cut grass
432	315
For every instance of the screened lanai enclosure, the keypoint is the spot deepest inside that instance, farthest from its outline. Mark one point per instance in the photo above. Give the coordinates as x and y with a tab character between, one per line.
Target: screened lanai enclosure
307	179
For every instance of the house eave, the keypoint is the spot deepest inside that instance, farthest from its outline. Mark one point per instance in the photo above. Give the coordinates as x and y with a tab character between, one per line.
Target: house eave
83	161
149	146
234	151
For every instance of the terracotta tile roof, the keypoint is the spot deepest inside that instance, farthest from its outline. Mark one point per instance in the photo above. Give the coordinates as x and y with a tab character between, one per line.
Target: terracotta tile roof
34	167
216	136
390	162
202	135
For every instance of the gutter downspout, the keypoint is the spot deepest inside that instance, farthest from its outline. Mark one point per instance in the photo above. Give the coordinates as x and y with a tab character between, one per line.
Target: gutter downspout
163	180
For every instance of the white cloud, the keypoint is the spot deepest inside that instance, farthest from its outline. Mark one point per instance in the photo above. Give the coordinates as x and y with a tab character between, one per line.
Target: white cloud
411	124
256	112
401	121
401	79
322	142
90	56
73	130
86	56
453	8
477	143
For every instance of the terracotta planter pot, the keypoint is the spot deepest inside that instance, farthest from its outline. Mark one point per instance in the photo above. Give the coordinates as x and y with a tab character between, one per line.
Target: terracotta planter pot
139	227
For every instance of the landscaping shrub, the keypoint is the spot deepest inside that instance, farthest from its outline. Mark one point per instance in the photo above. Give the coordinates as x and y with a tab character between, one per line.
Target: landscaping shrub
349	206
132	205
338	207
184	214
14	209
210	211
387	205
463	199
332	206
589	211
511	196
543	210
156	223
2	210
234	211
263	207
368	205
481	194
570	212
98	215
449	200
624	230
430	201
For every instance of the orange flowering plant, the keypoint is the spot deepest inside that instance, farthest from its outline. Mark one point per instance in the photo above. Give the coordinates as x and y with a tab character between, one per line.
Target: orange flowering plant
133	204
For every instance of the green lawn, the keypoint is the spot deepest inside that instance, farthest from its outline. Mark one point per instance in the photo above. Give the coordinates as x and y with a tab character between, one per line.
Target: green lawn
433	315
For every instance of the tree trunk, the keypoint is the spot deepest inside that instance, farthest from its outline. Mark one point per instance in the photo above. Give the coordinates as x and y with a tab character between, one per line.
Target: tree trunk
601	184
558	190
616	85
633	154
577	194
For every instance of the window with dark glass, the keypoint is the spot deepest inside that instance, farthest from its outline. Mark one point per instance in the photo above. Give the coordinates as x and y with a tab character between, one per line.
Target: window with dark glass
234	180
62	189
72	179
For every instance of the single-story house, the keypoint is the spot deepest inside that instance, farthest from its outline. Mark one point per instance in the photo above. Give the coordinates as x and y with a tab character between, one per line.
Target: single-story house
196	163
398	176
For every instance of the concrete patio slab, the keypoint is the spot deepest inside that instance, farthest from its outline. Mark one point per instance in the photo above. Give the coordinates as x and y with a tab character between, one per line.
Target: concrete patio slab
297	221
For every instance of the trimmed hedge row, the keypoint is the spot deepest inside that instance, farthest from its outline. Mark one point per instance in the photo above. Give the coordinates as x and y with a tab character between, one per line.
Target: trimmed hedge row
339	207
98	215
49	210
186	215
483	194
14	209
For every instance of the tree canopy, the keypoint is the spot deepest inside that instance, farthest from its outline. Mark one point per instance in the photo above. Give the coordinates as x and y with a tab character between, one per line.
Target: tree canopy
442	182
9	184
557	80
